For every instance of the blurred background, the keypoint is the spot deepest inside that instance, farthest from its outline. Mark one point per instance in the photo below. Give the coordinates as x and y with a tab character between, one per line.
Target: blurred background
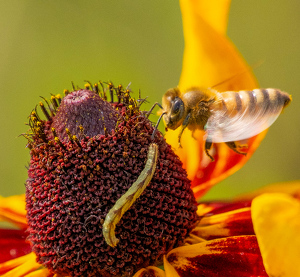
47	44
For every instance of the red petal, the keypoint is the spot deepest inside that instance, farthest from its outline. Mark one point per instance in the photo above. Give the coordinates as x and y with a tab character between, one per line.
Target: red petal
226	163
234	256
13	244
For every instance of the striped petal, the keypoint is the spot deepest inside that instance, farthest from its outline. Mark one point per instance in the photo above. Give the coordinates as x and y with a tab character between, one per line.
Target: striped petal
216	207
276	223
12	209
236	222
13	244
19	266
234	256
150	271
40	273
209	59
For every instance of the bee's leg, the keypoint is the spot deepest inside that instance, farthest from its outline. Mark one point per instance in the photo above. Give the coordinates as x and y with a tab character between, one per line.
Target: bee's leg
150	111
232	145
184	125
156	126
208	145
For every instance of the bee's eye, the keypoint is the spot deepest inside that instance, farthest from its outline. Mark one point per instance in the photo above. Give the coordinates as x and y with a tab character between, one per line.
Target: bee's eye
177	105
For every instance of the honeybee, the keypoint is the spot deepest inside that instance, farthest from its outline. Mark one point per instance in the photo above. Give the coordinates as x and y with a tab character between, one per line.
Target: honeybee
225	116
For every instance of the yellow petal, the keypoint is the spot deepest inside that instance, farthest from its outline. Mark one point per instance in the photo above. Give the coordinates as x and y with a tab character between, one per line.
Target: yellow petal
231	223
39	273
20	266
276	224
170	270
214	12
13	209
210	59
292	188
150	271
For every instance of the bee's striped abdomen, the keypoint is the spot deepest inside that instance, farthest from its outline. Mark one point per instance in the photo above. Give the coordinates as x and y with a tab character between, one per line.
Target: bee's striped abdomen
255	101
244	114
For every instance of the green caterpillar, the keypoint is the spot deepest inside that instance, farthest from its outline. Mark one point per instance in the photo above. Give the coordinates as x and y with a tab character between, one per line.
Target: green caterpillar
125	202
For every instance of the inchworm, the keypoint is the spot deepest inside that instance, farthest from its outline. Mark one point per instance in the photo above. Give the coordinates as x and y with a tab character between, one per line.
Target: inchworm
132	194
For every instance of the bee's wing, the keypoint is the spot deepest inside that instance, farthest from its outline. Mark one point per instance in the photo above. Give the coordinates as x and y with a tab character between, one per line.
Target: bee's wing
221	127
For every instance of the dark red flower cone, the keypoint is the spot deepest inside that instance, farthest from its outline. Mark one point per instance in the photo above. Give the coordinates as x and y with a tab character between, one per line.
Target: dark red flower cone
84	156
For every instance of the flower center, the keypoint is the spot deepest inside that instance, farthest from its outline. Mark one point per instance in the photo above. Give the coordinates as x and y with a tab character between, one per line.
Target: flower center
83	159
87	109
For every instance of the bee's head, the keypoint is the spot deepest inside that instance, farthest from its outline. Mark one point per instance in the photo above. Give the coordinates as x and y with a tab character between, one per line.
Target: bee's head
174	108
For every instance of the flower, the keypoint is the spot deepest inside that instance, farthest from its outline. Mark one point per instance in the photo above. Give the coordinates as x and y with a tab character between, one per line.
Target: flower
223	243
84	157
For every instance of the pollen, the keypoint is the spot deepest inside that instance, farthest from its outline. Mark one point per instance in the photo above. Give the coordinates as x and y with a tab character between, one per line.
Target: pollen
85	155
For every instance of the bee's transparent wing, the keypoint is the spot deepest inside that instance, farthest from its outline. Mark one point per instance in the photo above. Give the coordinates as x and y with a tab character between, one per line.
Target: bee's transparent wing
222	127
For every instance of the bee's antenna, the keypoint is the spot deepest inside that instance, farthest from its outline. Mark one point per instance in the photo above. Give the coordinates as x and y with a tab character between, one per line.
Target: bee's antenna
259	63
157	123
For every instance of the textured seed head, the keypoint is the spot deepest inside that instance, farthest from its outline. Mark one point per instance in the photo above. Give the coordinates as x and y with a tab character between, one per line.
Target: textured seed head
87	109
84	157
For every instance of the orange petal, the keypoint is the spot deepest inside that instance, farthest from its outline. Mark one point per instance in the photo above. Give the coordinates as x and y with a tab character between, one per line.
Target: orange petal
292	188
231	223
210	58
204	173
150	271
12	209
169	269
217	207
214	12
39	273
234	256
276	223
19	266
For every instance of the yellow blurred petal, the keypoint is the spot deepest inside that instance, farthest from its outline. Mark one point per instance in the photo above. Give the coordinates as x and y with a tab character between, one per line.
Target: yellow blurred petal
12	209
291	188
39	273
210	60
231	223
150	271
170	270
209	57
277	226
21	266
214	12
193	239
